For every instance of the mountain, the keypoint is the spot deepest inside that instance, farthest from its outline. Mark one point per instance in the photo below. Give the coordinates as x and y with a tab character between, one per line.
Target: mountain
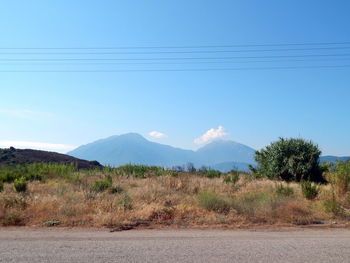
14	156
333	159
222	155
133	148
222	151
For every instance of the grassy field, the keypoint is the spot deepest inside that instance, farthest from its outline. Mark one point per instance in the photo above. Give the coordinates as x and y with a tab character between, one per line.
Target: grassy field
61	195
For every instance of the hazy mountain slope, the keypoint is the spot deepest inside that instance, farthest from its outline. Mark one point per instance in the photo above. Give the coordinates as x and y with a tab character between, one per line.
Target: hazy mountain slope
132	148
225	151
333	159
228	166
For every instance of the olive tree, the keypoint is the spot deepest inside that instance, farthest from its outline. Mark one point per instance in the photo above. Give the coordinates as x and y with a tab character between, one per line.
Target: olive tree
289	160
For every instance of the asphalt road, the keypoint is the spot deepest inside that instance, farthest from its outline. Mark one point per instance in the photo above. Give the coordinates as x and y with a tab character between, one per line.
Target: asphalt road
54	245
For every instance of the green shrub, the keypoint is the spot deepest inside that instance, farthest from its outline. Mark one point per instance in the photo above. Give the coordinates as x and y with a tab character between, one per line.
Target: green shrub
212	202
212	173
139	171
1	186
117	189
340	177
125	202
36	171
333	207
173	173
34	177
251	204
102	185
20	185
52	223
309	190
282	190
13	220
231	178
15	201
289	160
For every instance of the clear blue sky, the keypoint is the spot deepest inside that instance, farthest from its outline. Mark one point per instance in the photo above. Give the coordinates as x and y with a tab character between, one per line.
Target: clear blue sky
254	107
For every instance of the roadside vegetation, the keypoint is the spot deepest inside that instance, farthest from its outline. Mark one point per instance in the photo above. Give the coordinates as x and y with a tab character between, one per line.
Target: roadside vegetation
288	187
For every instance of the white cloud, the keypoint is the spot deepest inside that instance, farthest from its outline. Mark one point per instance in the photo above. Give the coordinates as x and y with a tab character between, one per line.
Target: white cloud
37	146
211	135
157	134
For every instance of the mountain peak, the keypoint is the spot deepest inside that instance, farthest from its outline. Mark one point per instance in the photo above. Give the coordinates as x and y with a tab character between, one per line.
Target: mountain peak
226	151
221	143
132	135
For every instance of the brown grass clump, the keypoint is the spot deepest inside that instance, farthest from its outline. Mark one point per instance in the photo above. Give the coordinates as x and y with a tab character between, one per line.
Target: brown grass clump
294	212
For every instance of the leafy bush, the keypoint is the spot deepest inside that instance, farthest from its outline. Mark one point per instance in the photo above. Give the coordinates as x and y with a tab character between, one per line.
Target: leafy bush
125	202
52	223
333	207
309	190
340	177
174	173
20	185
289	160
282	190
15	201
13	220
139	171
102	185
232	177
251	204
117	189
212	173
36	171
1	186
34	177
213	202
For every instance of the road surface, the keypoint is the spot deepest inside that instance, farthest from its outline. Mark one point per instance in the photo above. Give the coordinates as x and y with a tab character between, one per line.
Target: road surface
57	245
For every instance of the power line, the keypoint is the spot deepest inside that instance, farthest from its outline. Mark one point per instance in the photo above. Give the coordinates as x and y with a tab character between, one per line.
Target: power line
179	63
171	52
173	58
172	70
179	47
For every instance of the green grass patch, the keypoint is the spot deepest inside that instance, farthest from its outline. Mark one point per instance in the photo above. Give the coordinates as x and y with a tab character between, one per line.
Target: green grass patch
101	185
20	185
309	190
282	190
213	202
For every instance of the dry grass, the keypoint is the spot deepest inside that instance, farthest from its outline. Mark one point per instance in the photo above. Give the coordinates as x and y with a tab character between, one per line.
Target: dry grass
185	200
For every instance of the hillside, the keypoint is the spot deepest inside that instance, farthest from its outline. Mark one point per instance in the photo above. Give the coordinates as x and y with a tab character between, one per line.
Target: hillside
133	148
14	156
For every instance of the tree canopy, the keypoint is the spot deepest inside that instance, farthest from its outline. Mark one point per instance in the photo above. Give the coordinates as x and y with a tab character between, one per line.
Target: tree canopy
289	160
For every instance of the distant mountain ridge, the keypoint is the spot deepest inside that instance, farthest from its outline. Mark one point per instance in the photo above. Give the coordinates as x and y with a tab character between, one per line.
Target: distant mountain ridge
133	148
333	159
